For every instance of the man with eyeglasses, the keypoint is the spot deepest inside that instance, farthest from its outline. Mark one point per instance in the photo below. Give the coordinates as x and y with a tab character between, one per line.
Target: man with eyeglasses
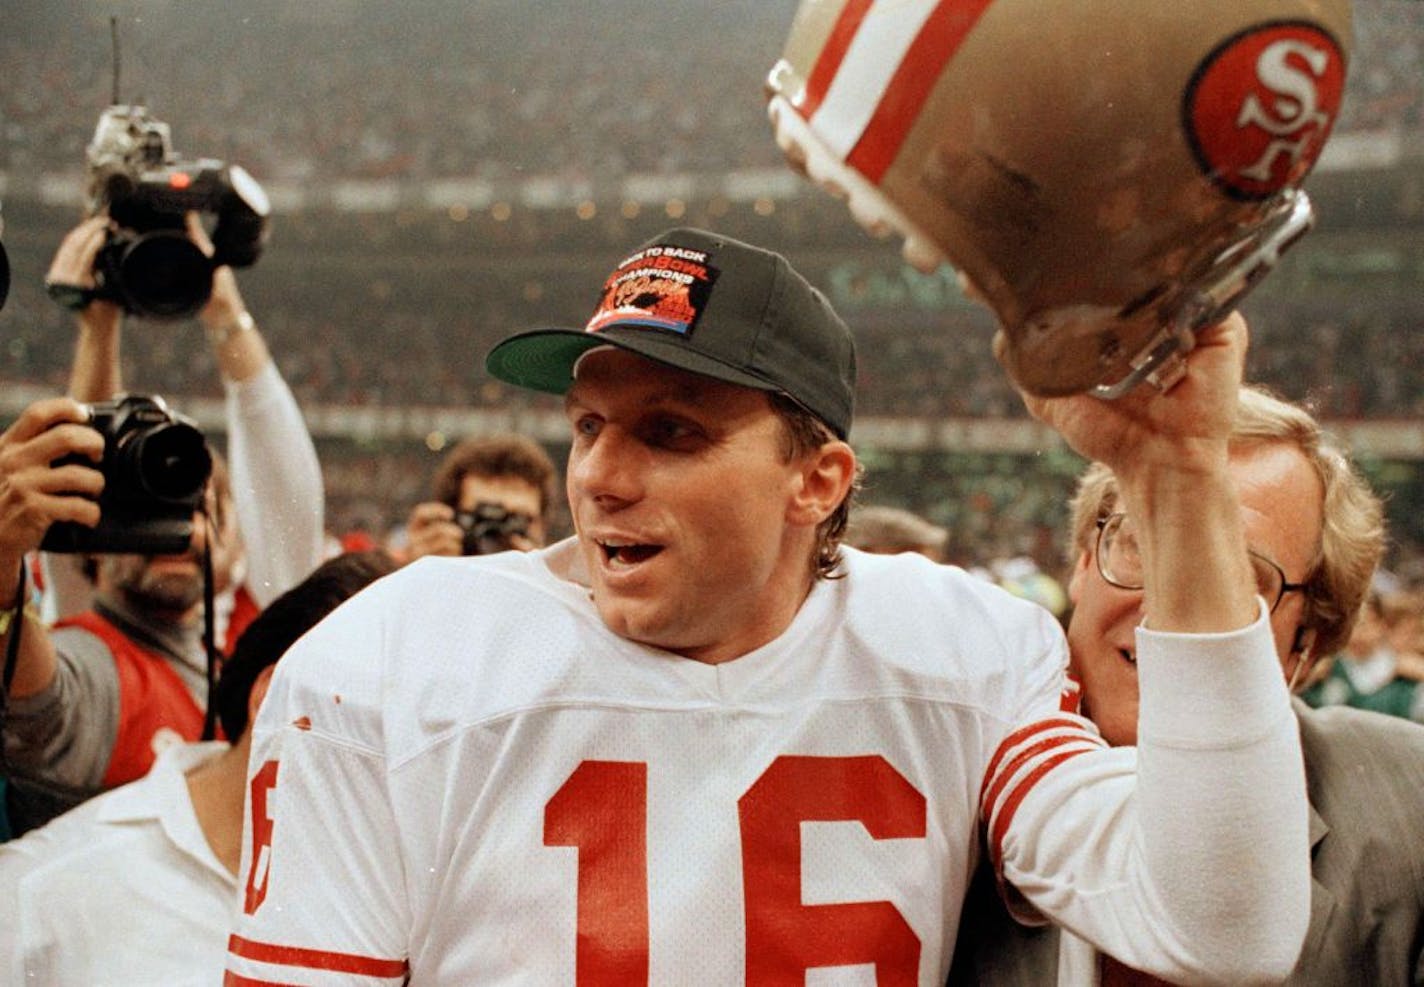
1315	534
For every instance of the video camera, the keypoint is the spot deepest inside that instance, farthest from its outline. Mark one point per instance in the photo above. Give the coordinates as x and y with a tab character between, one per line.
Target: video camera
149	265
490	528
156	466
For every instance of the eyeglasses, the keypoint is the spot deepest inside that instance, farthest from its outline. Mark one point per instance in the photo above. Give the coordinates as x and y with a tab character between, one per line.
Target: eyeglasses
1120	562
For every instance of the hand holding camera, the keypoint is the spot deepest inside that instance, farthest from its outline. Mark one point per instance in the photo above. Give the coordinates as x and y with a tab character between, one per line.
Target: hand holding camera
155	466
148	263
116	476
49	474
438	529
490	527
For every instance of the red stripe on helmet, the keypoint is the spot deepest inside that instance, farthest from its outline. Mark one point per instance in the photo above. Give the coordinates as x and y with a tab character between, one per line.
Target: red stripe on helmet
828	63
943	32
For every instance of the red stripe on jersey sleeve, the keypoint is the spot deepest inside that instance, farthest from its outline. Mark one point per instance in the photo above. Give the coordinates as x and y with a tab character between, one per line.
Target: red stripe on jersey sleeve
1000	775
1018	737
316	959
1005	814
1050	742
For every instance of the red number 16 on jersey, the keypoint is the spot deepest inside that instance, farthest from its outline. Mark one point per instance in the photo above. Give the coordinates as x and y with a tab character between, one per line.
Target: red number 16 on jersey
602	811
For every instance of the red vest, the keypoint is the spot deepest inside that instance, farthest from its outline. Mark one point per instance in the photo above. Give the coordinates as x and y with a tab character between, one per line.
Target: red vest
244	611
154	704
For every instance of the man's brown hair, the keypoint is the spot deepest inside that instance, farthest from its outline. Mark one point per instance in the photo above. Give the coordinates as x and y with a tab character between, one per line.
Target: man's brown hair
496	456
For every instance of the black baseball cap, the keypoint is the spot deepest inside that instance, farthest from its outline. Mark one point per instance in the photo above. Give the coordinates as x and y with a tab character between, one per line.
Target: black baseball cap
710	305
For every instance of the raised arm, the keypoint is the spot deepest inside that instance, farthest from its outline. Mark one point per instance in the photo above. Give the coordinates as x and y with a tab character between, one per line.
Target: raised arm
1188	856
95	374
276	477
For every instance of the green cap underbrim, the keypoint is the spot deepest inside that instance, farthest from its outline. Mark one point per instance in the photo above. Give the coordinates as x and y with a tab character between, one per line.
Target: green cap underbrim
543	359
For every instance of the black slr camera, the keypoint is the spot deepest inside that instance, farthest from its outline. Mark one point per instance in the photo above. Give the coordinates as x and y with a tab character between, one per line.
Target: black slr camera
489	528
156	466
149	266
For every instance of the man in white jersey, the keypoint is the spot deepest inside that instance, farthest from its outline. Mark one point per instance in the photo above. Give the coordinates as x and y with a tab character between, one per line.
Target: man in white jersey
700	743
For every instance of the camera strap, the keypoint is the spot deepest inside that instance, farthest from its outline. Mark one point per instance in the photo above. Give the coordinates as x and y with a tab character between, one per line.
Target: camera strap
12	660
210	650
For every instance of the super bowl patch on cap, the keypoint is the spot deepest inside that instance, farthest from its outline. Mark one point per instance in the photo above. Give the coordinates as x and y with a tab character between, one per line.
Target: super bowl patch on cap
663	287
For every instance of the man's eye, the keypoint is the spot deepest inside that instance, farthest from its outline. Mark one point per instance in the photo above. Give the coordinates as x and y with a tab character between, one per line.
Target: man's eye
586	425
671	432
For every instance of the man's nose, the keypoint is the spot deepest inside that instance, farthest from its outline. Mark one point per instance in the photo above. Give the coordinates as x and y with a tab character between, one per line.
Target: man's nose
608	468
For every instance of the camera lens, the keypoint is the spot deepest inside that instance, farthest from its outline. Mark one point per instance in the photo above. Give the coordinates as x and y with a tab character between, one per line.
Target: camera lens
170	462
165	275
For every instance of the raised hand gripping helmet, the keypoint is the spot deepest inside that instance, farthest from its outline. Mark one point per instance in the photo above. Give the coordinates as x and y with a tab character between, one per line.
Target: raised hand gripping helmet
1109	176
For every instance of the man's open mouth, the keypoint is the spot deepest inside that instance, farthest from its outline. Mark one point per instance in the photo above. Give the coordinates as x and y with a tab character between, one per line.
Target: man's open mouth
628	553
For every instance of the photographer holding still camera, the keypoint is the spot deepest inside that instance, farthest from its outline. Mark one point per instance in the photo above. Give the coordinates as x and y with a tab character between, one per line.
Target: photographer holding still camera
489	494
124	671
89	702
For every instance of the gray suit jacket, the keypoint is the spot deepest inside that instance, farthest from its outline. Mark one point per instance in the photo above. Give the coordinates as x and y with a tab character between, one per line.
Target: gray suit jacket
1365	775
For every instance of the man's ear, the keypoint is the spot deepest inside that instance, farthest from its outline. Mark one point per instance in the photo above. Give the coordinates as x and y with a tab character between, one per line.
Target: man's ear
825	480
1080	573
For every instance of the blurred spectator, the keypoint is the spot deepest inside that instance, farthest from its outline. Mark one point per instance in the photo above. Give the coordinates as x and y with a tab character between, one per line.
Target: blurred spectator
1021	576
888	530
1366	673
1403	612
138	885
490	494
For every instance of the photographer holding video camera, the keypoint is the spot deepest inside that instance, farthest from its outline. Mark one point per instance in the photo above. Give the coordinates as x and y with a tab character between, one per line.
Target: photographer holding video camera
125	668
490	494
153	257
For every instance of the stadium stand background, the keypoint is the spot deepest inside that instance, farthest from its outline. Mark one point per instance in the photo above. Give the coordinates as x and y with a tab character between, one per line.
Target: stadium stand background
443	173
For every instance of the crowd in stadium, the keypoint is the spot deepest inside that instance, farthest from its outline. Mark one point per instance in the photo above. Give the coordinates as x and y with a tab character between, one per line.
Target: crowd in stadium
527	101
375	338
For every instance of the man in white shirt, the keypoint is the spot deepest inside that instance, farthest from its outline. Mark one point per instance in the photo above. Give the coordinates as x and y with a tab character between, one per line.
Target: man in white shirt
136	886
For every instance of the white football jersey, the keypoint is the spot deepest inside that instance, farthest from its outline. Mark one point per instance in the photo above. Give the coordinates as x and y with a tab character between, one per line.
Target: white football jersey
463	777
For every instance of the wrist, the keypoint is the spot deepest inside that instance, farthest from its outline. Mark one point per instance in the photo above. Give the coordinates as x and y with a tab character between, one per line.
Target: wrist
9	618
1183	469
220	332
14	600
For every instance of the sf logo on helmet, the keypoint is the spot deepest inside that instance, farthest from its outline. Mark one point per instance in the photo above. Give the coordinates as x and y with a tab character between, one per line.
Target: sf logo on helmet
1260	106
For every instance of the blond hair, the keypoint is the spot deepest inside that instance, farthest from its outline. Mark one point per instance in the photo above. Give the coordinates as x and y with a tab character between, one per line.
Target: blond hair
1352	534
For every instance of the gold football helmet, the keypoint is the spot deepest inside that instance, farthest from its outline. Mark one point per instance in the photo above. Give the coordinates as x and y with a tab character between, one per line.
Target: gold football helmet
1108	176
